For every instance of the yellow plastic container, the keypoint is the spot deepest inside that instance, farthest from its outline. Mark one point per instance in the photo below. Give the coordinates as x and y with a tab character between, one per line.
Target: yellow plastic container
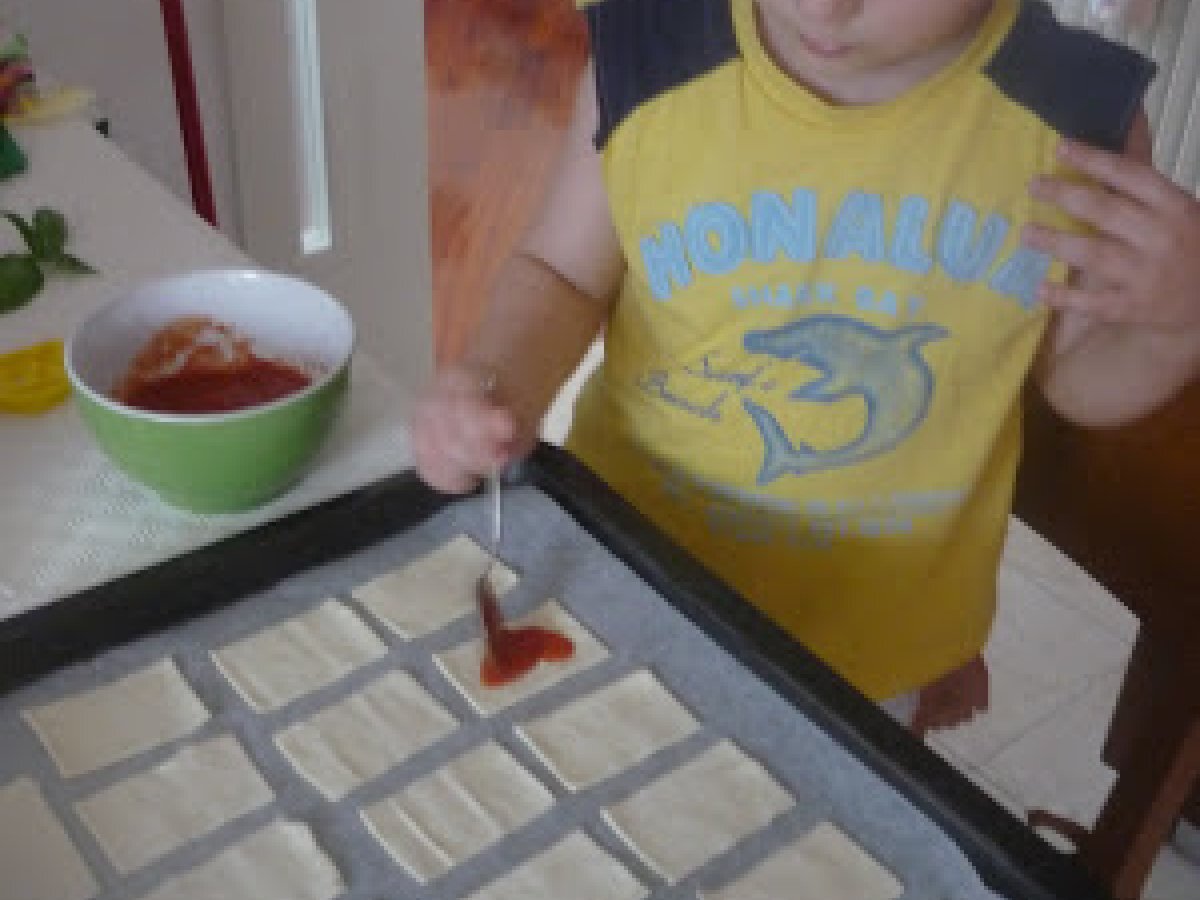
33	379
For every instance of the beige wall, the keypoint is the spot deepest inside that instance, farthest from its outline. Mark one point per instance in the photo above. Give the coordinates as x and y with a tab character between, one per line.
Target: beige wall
116	47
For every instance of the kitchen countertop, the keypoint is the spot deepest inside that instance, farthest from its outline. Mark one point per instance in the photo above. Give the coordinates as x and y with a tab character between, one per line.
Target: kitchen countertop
68	519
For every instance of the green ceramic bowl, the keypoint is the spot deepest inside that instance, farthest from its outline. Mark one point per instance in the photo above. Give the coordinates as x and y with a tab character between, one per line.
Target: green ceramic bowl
221	462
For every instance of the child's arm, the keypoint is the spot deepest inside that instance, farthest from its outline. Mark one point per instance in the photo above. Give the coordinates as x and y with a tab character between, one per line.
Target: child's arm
1126	331
547	306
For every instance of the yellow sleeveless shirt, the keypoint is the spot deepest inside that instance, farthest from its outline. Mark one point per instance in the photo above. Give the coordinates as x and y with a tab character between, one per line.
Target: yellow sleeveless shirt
813	373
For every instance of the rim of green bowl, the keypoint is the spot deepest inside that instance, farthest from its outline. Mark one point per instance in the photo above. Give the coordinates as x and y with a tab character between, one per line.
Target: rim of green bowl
117	406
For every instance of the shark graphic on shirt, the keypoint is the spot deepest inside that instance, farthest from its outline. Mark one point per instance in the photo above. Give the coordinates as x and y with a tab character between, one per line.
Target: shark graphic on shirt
883	366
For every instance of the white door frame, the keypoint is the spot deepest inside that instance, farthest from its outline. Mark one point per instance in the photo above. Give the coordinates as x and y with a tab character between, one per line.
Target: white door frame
331	159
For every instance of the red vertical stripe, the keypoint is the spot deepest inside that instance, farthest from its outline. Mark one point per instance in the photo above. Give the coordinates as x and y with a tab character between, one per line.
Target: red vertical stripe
190	124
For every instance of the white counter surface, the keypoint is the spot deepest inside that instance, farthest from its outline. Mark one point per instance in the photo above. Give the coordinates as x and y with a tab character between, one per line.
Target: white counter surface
68	519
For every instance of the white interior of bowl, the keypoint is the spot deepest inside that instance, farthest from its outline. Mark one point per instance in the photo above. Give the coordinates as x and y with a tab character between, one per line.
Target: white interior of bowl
285	318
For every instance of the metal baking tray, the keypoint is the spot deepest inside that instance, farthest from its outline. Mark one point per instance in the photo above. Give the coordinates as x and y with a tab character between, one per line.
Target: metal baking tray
656	607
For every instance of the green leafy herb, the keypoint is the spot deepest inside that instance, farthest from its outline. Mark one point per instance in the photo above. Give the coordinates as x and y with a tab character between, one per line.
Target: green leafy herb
17	48
22	275
71	265
50	232
20	280
27	233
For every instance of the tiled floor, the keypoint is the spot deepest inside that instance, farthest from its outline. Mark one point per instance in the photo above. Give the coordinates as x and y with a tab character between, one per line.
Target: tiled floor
1039	745
1057	656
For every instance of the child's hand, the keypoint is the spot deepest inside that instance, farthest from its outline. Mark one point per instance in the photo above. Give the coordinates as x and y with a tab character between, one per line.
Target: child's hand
461	432
1141	265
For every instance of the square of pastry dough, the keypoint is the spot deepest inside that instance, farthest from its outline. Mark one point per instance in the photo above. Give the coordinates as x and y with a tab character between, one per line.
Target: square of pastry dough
452	814
282	860
278	664
37	859
824	863
200	788
365	735
698	811
575	868
125	718
608	731
461	664
434	590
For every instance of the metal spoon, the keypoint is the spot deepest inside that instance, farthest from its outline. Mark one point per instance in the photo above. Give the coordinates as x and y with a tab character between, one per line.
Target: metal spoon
485	594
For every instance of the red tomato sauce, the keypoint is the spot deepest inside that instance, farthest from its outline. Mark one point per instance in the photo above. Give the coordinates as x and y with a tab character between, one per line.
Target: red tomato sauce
252	383
195	365
511	653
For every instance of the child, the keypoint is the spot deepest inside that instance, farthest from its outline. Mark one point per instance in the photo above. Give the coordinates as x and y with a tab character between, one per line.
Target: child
829	241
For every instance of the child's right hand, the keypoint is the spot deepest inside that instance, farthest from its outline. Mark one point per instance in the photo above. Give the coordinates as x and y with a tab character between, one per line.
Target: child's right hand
461	430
